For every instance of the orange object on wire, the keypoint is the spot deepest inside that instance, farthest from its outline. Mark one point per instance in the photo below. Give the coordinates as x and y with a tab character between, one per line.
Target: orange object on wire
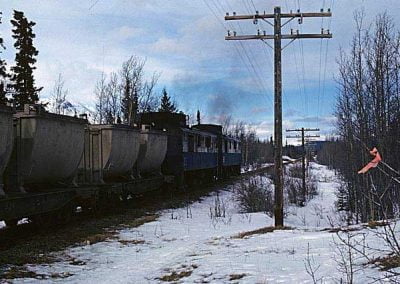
374	163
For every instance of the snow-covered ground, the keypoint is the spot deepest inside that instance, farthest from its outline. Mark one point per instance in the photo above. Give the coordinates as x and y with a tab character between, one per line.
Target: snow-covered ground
199	248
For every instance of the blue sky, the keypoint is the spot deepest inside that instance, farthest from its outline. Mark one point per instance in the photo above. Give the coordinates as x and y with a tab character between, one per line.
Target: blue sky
184	40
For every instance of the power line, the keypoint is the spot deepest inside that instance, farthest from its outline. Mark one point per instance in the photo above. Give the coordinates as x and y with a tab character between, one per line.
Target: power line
257	82
277	37
94	4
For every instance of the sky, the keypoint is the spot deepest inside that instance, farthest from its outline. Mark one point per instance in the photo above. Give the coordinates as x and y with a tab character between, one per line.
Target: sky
184	41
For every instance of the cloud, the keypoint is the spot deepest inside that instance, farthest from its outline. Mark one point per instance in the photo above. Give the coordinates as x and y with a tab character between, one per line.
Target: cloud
184	41
259	109
169	46
125	33
291	112
325	120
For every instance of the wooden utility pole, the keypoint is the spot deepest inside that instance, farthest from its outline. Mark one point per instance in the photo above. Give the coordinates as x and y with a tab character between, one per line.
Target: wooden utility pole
277	37
304	153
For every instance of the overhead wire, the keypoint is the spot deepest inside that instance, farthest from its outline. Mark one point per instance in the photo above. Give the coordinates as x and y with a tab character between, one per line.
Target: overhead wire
303	70
251	50
294	54
265	48
326	53
252	60
320	68
257	82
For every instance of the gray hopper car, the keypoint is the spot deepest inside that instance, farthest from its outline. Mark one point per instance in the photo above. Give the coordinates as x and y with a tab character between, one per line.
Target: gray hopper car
153	148
111	152
47	149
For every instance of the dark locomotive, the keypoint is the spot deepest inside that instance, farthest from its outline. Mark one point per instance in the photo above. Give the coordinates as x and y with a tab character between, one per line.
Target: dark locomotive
50	164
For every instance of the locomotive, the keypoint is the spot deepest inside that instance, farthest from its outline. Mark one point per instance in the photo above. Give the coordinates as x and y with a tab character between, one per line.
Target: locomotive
51	163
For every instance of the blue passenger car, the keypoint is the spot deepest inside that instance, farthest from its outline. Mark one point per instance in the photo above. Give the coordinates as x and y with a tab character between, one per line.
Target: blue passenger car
200	150
195	154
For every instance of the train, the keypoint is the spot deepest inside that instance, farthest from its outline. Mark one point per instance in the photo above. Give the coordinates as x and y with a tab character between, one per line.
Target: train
51	164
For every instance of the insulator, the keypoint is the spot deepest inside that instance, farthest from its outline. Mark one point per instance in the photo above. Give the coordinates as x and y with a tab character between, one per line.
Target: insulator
229	33
322	9
322	30
291	31
234	33
234	13
329	10
256	12
258	32
328	31
298	10
264	33
227	14
297	31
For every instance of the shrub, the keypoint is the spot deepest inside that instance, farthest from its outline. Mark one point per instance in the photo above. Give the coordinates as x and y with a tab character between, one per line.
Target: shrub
253	195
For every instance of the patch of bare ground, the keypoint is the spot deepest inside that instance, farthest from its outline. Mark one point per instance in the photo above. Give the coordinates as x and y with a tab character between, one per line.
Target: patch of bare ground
386	262
132	242
44	246
342	229
376	224
22	272
370	224
182	272
235	276
260	231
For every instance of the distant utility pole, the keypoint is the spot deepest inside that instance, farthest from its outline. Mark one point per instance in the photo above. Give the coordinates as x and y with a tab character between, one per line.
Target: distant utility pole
277	37
303	160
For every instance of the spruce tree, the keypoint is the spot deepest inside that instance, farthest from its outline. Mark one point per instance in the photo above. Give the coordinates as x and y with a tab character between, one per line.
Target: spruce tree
25	91
3	73
166	104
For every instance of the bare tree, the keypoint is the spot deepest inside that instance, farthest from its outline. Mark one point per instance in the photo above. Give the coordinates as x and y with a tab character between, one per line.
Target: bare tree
59	95
100	92
368	115
131	84
112	99
148	101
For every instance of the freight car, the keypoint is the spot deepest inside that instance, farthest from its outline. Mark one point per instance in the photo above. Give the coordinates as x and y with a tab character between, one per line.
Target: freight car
58	162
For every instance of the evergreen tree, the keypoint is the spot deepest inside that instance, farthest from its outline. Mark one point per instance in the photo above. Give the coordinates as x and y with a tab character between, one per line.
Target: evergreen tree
22	77
3	73
198	117
166	104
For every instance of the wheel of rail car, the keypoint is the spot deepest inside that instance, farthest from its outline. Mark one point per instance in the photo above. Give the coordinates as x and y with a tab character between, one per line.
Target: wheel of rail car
11	222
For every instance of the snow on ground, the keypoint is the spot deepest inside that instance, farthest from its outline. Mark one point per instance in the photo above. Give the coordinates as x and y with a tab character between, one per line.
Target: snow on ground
203	248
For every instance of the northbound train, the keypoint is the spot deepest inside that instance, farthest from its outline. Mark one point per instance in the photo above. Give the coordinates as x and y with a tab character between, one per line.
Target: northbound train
50	164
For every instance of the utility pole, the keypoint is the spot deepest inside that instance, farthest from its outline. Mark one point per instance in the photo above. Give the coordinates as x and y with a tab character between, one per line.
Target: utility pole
303	160
277	37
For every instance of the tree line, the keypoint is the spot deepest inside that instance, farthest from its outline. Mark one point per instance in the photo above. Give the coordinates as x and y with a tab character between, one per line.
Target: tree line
368	115
121	96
